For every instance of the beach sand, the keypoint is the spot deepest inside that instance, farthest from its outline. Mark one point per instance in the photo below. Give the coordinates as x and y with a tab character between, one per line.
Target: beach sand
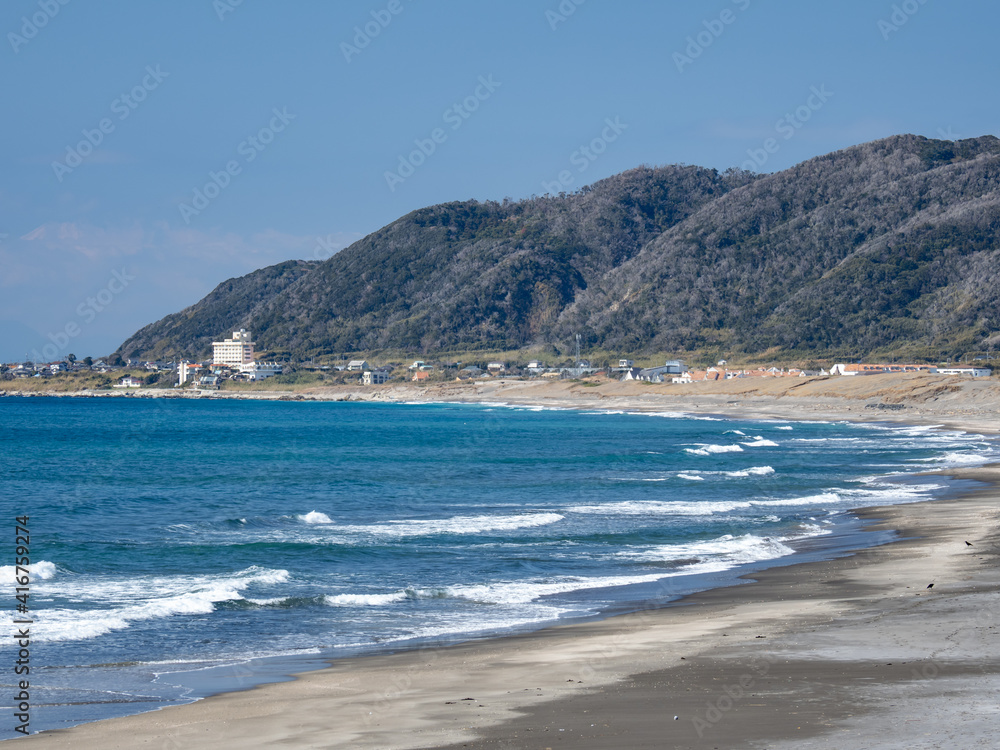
856	652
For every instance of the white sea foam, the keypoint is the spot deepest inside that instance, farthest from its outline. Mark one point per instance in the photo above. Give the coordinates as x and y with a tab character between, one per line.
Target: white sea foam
707	449
660	508
367	600
784	427
725	551
824	498
753	471
759	442
42	570
675	415
734	432
953	458
314	516
506	618
691	477
457	525
268	602
814	529
522	592
889	493
117	603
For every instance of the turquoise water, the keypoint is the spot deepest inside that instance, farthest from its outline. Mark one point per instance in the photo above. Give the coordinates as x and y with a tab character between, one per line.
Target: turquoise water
181	546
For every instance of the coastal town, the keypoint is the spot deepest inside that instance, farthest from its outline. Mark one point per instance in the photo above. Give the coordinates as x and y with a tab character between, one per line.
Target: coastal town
234	360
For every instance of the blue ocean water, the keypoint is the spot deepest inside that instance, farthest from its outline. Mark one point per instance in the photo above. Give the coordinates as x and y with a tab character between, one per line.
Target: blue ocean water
181	546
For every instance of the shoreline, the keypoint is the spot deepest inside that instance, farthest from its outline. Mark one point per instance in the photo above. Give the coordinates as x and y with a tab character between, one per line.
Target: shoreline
394	685
794	646
525	685
912	398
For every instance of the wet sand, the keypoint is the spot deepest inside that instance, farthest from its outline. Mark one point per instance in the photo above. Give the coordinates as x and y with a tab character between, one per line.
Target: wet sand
848	653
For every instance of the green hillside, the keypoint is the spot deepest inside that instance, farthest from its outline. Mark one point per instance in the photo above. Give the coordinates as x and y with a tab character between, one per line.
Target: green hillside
890	246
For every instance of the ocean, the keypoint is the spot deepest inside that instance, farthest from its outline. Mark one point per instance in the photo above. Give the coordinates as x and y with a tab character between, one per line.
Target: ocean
181	548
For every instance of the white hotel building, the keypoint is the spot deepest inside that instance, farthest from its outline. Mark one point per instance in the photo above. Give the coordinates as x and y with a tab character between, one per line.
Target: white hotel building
234	351
237	354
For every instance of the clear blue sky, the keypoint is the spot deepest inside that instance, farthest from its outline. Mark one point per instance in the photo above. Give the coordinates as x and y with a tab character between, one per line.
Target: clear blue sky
97	241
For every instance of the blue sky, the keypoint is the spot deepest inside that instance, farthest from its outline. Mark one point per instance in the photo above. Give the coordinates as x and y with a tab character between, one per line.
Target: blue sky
155	149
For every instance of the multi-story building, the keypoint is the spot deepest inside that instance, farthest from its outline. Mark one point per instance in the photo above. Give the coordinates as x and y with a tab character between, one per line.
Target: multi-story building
186	371
234	351
375	377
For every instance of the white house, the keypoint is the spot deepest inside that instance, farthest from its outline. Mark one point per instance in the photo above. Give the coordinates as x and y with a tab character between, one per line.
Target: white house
128	382
976	372
260	370
357	365
625	364
374	377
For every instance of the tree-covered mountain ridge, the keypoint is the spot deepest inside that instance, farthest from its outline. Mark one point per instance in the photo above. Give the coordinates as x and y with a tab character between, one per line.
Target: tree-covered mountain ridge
886	247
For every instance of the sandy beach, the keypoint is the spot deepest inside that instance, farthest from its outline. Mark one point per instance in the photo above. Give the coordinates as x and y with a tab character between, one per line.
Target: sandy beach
894	646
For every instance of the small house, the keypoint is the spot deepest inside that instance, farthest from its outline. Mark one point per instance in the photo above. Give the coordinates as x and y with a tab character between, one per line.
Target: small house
374	377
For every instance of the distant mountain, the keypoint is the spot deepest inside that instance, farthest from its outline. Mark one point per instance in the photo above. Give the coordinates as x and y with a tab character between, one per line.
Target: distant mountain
890	246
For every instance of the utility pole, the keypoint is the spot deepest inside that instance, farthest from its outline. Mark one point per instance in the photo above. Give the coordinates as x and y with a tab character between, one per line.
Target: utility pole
578	350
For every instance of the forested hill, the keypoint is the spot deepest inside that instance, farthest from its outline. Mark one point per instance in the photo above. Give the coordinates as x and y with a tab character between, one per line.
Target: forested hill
892	245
